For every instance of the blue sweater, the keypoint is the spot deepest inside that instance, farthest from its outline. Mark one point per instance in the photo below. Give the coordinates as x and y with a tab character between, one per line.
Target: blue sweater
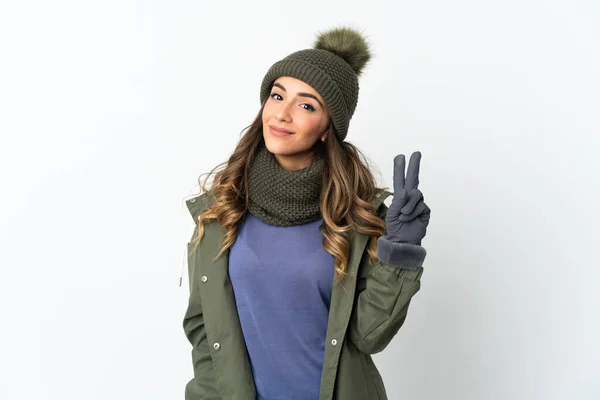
281	278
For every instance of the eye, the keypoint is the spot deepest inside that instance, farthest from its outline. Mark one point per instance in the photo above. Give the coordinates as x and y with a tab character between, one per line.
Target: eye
310	108
275	94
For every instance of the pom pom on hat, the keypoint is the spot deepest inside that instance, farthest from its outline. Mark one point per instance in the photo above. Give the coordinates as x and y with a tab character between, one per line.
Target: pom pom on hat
346	43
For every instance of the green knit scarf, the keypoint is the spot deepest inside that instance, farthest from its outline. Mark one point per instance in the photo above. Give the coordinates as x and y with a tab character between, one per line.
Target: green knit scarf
281	197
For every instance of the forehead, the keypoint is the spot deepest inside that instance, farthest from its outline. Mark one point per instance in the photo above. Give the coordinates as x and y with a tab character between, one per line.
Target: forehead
296	85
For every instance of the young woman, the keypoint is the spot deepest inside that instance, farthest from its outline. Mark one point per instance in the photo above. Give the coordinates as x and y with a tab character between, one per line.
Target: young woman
298	271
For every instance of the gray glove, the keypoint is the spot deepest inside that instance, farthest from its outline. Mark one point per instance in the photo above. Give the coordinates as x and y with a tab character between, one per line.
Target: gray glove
406	219
408	215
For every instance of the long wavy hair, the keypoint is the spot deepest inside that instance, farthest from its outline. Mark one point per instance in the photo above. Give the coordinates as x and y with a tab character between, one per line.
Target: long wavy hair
348	185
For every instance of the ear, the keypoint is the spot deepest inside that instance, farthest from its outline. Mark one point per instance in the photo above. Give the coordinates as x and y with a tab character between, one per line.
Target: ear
324	137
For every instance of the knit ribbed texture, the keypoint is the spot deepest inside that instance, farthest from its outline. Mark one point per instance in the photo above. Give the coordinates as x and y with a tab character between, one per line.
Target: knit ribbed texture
330	75
281	197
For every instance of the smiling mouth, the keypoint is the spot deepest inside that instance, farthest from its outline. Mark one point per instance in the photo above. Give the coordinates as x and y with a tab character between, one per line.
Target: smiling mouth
279	130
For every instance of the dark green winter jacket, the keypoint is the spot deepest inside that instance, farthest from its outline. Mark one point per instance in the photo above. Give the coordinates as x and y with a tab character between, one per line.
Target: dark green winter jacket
363	319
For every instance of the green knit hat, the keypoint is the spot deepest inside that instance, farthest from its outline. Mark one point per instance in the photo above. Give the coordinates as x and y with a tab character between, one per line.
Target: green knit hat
332	68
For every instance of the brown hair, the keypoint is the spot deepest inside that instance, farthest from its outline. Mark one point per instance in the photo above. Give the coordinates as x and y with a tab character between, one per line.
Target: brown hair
348	184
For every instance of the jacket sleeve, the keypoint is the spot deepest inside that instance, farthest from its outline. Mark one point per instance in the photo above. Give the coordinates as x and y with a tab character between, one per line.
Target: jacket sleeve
383	294
204	384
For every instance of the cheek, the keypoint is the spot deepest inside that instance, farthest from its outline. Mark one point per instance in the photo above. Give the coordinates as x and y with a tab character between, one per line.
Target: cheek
265	115
268	111
312	125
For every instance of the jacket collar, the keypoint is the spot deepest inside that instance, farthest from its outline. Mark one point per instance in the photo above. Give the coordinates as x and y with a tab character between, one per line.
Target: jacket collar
197	204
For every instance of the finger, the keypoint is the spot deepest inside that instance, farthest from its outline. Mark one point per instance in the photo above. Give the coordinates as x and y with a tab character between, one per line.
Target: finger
398	201
420	208
412	176
399	165
425	215
415	196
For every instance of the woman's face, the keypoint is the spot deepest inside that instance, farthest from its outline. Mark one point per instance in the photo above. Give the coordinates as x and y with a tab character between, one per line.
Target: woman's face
294	118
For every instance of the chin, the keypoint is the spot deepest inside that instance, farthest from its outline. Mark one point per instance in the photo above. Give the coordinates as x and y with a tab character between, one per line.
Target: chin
276	147
283	147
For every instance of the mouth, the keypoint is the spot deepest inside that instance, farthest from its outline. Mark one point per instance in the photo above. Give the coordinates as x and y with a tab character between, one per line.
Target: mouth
279	131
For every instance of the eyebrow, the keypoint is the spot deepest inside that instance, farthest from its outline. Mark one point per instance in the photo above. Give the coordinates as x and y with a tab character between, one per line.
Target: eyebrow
302	94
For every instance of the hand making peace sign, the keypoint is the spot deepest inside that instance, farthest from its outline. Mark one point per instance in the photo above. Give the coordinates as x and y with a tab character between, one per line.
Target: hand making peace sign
408	215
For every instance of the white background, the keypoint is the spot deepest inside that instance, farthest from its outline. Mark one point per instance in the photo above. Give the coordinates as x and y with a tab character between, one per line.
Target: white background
109	112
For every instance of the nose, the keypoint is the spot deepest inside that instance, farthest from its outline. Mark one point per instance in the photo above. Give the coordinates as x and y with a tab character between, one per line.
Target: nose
283	113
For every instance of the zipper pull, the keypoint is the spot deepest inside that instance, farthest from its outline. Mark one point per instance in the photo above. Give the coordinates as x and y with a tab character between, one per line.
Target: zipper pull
183	261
